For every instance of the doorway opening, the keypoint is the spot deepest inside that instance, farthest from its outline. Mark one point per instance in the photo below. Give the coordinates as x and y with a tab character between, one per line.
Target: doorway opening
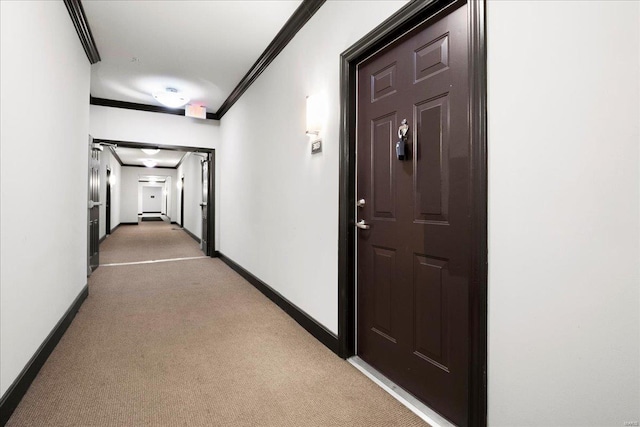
157	186
155	197
432	54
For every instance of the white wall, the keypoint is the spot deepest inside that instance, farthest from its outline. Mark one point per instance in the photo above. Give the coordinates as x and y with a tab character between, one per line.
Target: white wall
159	129
563	205
130	202
152	198
191	170
44	128
107	161
116	187
563	213
154	128
279	204
165	187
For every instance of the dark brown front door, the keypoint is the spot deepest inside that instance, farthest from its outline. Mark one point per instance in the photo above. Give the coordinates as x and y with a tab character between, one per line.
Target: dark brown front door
414	260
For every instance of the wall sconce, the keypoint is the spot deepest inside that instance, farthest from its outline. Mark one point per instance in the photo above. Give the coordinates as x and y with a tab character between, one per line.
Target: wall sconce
316	111
112	178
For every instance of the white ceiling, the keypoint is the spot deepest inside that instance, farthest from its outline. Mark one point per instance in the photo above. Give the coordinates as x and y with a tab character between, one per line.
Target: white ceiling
135	157
201	48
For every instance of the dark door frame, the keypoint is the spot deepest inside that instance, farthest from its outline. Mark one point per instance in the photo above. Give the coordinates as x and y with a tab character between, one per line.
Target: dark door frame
182	201
107	202
415	13
211	153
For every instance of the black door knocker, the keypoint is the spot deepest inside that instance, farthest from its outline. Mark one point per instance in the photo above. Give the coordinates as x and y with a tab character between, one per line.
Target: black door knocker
401	145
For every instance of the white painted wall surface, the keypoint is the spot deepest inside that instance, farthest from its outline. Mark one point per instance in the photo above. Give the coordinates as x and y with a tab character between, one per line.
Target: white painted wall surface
279	204
144	187
152	198
564	262
153	128
131	203
191	170
43	250
159	129
116	190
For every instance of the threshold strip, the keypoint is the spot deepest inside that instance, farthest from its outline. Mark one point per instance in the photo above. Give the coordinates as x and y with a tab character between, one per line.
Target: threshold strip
152	261
427	414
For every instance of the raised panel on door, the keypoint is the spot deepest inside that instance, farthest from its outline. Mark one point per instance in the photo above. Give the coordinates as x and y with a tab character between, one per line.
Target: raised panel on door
384	82
382	166
431	331
384	273
431	159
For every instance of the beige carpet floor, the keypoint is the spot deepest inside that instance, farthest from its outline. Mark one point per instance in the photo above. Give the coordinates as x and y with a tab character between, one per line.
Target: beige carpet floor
191	343
147	241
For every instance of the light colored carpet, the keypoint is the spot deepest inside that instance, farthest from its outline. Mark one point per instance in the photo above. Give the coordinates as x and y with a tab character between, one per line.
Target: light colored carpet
147	241
191	343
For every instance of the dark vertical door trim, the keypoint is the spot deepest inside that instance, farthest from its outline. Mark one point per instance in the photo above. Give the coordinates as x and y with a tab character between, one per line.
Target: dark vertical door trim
479	208
79	19
415	13
182	202
211	202
108	204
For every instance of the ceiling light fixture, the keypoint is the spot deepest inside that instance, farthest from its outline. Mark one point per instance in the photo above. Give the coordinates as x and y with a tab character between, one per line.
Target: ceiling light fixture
149	163
171	98
150	151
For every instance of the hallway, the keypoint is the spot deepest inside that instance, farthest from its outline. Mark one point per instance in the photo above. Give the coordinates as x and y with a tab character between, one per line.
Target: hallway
192	343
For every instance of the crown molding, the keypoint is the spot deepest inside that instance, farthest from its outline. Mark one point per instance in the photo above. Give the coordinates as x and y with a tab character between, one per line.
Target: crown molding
298	19
76	12
303	13
142	107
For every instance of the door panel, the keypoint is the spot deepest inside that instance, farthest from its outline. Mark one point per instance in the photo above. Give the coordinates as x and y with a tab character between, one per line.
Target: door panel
430	310
382	132
413	261
384	266
431	175
94	207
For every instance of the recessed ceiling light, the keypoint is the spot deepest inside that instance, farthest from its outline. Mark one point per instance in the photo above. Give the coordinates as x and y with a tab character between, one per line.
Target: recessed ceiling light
150	151
149	163
171	98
